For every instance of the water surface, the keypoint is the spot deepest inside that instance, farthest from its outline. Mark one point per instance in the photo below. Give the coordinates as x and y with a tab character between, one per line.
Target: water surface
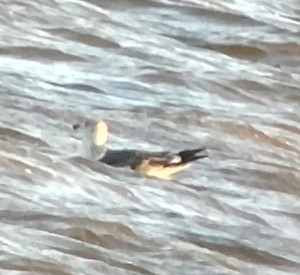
165	75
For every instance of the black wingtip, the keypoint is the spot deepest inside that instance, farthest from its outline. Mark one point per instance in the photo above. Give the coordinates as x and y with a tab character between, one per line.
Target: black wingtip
194	154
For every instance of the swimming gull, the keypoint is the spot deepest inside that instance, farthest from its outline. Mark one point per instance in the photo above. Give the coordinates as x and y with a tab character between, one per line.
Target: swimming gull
154	164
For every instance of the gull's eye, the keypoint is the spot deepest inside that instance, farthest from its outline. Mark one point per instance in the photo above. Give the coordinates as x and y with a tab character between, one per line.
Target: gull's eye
76	126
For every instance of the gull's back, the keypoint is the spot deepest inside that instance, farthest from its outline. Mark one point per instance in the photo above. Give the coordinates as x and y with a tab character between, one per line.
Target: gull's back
119	158
130	158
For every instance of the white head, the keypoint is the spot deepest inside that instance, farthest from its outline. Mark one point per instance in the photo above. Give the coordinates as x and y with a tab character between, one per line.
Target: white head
95	135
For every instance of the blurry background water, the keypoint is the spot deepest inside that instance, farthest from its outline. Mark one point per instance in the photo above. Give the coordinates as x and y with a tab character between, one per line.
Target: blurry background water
165	75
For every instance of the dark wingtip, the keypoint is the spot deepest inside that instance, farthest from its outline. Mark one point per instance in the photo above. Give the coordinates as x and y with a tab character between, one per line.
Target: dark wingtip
76	126
194	154
202	156
203	153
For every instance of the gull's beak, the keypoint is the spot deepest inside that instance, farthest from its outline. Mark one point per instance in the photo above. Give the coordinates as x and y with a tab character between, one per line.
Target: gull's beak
76	126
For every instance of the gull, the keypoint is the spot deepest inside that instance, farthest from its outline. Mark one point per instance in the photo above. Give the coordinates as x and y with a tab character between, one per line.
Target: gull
160	164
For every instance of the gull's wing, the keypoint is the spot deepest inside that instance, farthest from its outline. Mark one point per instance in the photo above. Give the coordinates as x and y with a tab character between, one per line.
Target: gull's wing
164	164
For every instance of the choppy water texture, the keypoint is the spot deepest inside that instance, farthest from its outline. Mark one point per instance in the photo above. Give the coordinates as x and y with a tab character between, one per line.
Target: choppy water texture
165	75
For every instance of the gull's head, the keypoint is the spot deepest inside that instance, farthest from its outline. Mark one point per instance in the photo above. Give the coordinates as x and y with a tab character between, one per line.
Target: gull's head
97	131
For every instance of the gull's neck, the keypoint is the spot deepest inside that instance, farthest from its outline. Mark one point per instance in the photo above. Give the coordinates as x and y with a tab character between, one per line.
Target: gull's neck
97	152
91	150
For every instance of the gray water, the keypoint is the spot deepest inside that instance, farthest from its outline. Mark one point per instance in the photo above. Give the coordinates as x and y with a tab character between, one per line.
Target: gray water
165	75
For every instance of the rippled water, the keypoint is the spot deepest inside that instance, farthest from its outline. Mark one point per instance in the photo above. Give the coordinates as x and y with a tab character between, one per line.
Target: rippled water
165	75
